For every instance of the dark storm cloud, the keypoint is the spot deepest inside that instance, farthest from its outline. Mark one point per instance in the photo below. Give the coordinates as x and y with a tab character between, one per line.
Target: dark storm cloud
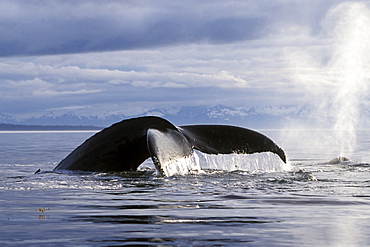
54	27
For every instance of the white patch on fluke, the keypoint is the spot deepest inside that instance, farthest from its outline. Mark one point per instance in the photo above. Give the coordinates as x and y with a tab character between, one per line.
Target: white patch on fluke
172	153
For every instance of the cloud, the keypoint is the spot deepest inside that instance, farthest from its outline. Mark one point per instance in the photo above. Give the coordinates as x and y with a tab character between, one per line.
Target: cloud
140	79
123	55
55	27
59	27
56	93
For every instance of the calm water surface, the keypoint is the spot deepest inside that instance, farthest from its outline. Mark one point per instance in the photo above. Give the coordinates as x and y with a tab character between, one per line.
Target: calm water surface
315	204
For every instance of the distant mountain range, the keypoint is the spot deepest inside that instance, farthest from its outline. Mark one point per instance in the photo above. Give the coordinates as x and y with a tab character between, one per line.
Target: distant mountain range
255	117
22	127
266	117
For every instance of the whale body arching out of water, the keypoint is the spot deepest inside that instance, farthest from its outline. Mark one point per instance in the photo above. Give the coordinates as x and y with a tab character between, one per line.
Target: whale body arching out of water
125	145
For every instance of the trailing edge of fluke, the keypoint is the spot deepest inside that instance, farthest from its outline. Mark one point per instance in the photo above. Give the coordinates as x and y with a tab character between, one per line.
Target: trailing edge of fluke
127	144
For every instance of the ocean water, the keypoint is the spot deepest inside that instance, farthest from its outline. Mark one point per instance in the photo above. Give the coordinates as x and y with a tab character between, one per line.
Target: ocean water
316	203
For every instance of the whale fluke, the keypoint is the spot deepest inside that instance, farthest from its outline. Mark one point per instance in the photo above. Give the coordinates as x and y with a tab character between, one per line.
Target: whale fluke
166	146
226	139
124	146
120	147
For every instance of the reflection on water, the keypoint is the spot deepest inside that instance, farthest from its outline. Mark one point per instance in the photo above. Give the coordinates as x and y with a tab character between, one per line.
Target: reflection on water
316	203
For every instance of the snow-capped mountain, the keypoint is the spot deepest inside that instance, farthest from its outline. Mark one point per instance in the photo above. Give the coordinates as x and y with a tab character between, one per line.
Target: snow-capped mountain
9	119
256	117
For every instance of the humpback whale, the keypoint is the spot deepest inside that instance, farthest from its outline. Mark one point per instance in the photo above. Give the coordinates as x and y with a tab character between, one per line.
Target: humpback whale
125	145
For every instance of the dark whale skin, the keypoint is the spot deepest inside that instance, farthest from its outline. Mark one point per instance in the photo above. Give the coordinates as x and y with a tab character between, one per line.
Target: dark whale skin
127	144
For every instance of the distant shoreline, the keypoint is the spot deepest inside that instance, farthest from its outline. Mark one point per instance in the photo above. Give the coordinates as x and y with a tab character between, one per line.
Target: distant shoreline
19	127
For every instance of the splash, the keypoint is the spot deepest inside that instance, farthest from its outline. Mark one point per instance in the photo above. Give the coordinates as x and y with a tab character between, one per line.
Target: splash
181	166
336	87
253	163
198	162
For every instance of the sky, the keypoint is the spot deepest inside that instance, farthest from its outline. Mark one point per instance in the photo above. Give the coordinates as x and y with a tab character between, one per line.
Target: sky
125	57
